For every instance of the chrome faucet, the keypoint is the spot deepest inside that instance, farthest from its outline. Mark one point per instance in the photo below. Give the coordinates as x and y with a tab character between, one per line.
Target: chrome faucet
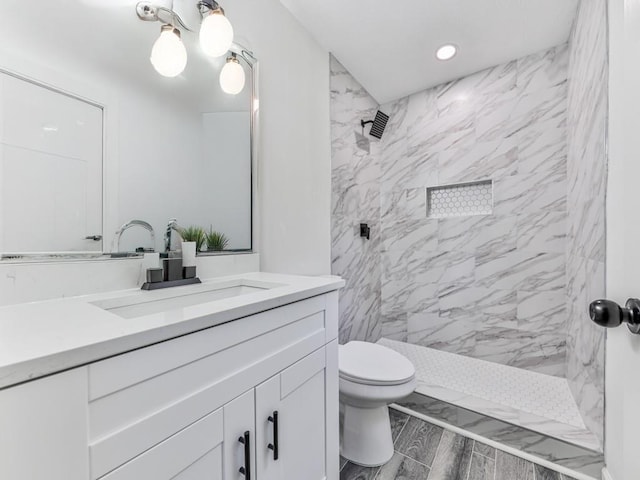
133	223
173	225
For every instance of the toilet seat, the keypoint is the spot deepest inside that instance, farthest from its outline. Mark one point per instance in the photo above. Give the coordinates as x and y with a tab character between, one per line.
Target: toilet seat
372	364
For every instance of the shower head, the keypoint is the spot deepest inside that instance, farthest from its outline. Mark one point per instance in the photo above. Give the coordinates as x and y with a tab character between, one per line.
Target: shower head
379	124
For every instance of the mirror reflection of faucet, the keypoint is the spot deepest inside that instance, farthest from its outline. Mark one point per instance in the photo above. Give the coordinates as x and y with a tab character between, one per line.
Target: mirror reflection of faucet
171	227
115	248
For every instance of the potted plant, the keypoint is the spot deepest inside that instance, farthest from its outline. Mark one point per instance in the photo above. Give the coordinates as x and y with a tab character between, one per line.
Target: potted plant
216	241
192	241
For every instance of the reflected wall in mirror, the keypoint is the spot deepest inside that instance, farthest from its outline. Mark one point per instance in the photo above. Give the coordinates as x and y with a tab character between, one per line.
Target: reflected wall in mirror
92	137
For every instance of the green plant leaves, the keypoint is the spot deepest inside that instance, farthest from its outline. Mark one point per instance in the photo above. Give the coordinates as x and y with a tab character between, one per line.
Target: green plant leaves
216	241
194	234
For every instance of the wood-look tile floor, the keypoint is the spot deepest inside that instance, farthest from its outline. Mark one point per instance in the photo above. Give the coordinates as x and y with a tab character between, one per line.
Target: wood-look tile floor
427	452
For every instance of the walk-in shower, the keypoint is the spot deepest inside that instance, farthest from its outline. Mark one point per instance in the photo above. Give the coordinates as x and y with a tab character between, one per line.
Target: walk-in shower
485	199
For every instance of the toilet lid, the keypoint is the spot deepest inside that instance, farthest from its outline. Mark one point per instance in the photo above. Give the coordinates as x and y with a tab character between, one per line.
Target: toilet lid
370	363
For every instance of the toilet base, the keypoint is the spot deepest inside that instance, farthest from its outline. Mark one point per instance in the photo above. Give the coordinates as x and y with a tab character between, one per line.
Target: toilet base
366	436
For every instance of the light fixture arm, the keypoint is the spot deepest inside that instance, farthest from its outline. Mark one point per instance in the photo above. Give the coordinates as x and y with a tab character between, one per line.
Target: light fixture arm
246	55
149	12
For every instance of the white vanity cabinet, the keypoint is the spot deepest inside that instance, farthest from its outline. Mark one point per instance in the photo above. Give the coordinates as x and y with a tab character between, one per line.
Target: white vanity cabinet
290	421
205	405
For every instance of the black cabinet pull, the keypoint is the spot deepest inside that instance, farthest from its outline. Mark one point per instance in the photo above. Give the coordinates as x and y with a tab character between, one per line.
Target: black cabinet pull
609	314
246	470
274	446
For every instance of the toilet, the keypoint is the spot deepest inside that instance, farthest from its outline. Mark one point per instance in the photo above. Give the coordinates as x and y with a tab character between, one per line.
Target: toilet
371	377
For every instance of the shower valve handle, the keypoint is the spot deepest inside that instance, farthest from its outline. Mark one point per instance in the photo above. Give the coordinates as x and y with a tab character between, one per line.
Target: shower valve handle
607	313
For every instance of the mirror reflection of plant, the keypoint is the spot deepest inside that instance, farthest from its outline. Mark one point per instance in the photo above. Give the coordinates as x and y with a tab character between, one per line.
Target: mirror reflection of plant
194	234
216	241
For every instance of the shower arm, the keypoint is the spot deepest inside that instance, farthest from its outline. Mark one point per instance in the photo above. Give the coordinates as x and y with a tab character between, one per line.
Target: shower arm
363	123
378	124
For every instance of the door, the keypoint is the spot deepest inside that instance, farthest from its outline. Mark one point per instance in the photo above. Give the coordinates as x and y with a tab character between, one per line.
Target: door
622	415
290	422
239	438
50	170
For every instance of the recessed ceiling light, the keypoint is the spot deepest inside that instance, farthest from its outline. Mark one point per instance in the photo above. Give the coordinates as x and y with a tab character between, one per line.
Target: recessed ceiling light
446	52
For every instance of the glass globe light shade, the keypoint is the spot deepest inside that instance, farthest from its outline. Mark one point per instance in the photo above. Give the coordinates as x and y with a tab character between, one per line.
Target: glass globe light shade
216	34
168	55
232	77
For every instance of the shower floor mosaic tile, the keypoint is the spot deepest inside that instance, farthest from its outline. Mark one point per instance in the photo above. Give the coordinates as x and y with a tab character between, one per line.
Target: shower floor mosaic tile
535	401
424	451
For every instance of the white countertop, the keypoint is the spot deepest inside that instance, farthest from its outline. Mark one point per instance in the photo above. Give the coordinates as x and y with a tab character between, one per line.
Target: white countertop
42	338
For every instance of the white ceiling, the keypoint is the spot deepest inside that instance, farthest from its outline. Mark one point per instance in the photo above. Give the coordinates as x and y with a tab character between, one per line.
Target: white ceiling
389	47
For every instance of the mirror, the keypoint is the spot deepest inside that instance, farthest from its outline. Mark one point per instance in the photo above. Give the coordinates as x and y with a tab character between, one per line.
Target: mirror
93	139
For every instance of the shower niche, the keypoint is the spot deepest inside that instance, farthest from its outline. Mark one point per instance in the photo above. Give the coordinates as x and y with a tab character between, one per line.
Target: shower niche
459	200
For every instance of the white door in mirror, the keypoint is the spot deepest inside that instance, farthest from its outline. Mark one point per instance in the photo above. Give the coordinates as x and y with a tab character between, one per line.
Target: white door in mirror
51	170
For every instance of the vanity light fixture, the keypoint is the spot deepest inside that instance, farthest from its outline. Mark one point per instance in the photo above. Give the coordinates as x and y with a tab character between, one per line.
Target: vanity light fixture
232	76
168	55
216	32
446	52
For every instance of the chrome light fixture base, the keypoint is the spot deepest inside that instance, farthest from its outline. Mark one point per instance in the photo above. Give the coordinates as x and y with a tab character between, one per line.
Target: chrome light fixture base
209	6
147	11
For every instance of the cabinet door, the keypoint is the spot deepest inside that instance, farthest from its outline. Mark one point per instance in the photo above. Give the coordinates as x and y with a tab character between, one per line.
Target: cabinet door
290	422
194	453
43	429
208	449
239	438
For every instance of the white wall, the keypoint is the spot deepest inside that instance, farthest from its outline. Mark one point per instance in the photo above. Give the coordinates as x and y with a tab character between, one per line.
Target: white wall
294	177
159	159
622	415
162	169
227	170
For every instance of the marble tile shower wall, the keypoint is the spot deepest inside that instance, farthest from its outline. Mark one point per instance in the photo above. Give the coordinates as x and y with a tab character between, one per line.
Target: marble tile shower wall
355	198
492	286
587	174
